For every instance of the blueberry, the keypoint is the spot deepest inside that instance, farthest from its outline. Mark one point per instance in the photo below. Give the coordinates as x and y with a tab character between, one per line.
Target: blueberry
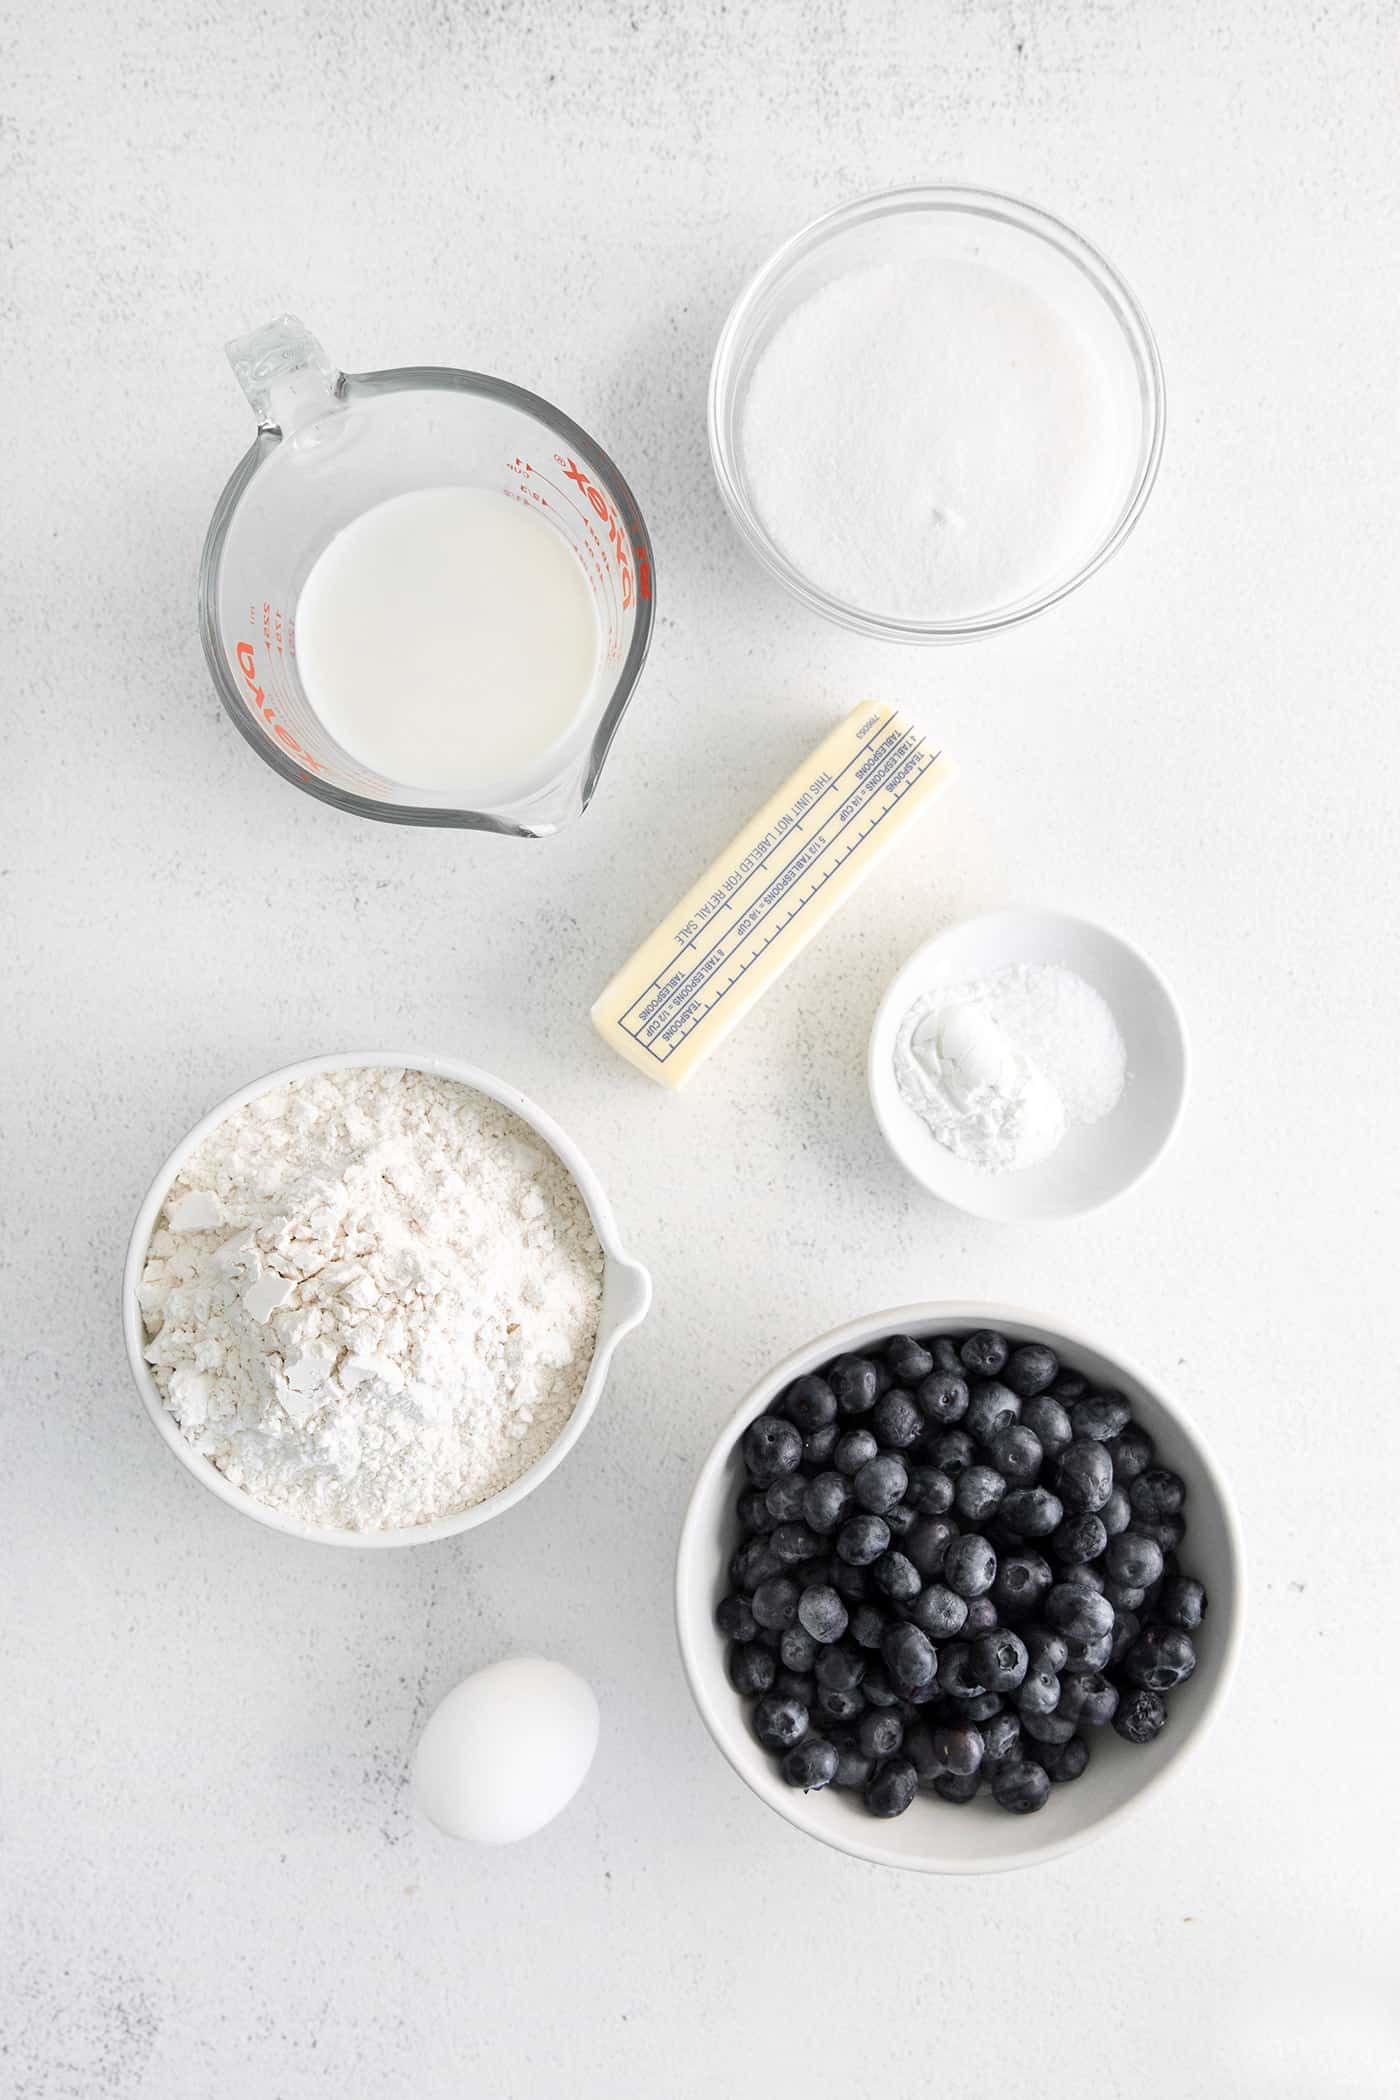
918	1748
958	1748
1090	1700
1022	1580
853	1767
1160	1658
796	1685
1079	1613
1084	1475
783	1500
779	1723
942	1397
852	1451
1182	1603
1077	1539
1046	1728
951	1452
877	1684
822	1613
909	1655
1117	1513
862	1539
897	1421
1045	1647
775	1602
969	1565
754	1514
937	1611
993	1406
880	1734
1031	1513
1132	1453
826	1503
849	1581
753	1562
751	1667
879	1484
892	1789
840	1666
811	1764
957	1788
867	1626
908	1696
818	1444
1039	1691
855	1382
1001	1738
1020	1787
1101	1416
836	1705
1069	1386
794	1543
1064	1761
1133	1560
1167	1531
956	1675
1031	1369
1045	1417
946	1355
883	1378
771	1446
797	1648
982	1617
908	1360
930	1491
734	1617
1094	1654
985	1353
1157	1493
1141	1716
979	1493
901	1520
1126	1628
896	1577
1017	1454
926	1544
1000	1660
809	1403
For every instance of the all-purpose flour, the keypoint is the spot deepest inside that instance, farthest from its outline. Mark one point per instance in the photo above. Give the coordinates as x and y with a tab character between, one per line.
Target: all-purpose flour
372	1298
931	440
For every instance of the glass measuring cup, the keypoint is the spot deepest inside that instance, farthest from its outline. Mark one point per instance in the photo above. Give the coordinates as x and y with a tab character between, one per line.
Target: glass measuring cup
331	445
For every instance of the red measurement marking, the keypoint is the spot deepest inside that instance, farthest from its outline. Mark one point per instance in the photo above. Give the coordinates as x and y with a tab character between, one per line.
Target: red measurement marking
248	665
617	536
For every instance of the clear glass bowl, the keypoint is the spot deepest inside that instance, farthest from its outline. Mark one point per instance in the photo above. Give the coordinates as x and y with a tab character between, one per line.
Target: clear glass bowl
949	223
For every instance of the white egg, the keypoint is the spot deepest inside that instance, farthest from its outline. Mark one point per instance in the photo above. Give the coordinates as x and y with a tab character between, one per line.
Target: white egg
506	1750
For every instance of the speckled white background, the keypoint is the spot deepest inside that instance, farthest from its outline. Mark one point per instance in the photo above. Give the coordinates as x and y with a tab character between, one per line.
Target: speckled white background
212	1878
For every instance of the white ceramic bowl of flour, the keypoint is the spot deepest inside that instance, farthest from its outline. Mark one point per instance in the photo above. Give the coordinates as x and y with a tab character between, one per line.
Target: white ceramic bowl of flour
626	1296
1093	1162
935	412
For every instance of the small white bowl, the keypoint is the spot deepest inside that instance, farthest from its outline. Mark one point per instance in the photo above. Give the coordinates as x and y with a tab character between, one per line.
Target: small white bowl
1095	1162
933	1836
626	1297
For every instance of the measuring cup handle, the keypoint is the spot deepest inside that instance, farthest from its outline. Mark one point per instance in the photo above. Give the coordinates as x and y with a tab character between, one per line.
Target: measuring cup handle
287	376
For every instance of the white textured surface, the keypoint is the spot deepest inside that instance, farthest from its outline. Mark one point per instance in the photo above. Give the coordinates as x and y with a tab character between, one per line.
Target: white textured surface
213	1882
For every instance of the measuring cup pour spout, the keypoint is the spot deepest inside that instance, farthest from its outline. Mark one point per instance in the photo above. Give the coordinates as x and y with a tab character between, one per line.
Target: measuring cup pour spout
287	376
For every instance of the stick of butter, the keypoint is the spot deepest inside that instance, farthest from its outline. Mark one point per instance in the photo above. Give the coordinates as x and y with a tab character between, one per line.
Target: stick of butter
772	888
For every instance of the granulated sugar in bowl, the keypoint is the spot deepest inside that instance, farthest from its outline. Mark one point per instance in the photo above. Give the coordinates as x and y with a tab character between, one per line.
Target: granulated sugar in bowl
934	412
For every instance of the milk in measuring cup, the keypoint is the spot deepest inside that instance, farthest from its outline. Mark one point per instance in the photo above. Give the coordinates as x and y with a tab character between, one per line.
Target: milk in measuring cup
448	639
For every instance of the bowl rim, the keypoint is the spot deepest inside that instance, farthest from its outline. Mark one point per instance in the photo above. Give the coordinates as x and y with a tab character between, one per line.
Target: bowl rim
984	920
693	1623
628	1280
1037	223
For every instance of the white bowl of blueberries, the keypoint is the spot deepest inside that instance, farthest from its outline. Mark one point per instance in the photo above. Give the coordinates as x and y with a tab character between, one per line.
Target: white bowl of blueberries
957	1588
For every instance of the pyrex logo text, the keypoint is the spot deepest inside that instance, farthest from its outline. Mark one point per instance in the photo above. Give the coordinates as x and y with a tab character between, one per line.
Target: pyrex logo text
622	549
248	665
